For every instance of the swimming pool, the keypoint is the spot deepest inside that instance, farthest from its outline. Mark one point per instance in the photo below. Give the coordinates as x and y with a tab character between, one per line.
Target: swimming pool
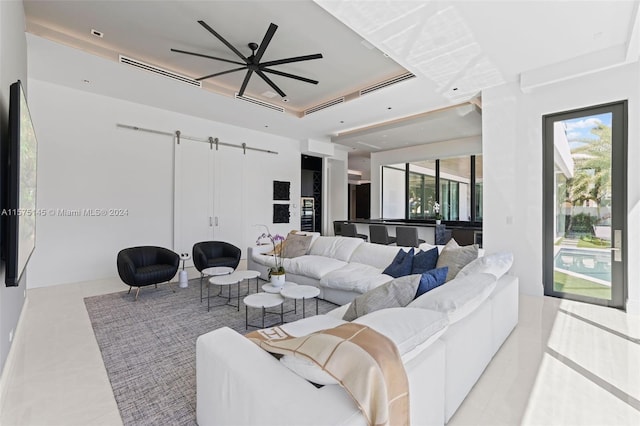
594	264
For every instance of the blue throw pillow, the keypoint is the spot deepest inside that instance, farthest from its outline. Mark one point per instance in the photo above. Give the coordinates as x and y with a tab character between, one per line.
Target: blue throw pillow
425	261
401	264
432	279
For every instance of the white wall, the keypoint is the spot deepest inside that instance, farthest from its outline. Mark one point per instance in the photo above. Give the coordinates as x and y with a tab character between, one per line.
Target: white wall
335	190
13	67
86	162
512	153
431	151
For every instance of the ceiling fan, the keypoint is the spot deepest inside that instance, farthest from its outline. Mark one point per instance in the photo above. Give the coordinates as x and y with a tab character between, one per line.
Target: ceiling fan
252	63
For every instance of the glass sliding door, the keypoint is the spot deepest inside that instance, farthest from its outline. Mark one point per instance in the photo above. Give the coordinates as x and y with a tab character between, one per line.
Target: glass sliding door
584	204
422	189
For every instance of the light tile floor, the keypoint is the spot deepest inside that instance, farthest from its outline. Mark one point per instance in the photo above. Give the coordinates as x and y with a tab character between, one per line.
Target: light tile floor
566	363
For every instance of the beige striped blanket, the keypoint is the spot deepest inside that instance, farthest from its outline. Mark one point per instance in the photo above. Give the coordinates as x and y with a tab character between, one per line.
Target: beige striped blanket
365	363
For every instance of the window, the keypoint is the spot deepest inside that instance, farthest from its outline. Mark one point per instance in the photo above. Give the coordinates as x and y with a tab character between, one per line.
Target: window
410	190
455	194
422	189
478	190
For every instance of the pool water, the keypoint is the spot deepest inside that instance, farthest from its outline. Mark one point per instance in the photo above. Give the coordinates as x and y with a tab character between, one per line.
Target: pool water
592	263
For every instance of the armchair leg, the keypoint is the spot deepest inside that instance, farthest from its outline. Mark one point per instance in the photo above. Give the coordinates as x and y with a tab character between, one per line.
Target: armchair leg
169	284
129	292
156	285
137	291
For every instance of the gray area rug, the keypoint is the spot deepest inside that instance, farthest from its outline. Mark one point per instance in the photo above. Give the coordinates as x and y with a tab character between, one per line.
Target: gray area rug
148	346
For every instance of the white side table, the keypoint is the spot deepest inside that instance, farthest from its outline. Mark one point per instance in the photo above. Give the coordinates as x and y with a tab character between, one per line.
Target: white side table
213	272
269	288
262	301
248	275
182	275
225	281
301	292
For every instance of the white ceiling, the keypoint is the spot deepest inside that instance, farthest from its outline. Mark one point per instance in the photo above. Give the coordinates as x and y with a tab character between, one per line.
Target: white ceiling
455	48
147	30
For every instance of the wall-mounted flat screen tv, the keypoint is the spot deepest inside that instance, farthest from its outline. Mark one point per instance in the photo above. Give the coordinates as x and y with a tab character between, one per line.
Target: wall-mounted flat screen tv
20	162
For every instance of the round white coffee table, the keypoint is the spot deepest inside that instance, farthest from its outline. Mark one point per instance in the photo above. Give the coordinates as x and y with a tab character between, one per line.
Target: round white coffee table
270	288
301	292
212	272
262	301
248	275
225	281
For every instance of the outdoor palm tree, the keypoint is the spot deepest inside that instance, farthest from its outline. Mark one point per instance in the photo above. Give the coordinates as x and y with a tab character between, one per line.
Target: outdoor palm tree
592	177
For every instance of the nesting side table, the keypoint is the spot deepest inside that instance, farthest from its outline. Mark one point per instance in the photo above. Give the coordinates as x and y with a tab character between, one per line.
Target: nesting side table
262	301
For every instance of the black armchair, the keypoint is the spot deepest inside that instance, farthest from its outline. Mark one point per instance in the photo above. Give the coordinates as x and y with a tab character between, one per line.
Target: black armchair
146	265
209	254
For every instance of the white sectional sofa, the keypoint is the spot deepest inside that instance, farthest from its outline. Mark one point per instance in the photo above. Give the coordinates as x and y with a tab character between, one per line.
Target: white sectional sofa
238	383
341	267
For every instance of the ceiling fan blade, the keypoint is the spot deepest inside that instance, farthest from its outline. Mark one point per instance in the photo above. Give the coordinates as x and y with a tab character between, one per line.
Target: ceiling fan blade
245	82
285	74
265	42
206	56
222	39
289	60
221	73
271	83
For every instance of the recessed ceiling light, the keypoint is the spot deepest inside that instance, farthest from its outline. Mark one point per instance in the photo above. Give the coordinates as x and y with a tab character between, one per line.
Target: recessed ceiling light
385	55
388	107
97	33
86	81
341	121
285	99
266	125
454	89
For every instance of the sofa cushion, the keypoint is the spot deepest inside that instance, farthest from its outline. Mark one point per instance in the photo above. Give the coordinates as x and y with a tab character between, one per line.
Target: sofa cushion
459	297
424	261
312	266
340	248
456	257
496	264
296	245
431	279
355	277
396	293
406	327
376	255
401	264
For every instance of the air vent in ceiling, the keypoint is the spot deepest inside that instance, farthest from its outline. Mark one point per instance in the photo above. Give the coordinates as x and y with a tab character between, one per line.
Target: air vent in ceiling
387	83
324	105
151	68
260	103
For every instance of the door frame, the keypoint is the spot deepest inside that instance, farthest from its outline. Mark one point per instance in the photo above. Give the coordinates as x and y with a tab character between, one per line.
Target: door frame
619	130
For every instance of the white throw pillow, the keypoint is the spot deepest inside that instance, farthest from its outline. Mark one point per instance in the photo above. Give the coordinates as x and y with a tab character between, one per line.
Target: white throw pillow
304	367
308	370
496	264
406	327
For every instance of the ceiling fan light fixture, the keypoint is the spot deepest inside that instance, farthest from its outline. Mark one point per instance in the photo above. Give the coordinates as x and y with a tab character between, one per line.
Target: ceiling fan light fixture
252	63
